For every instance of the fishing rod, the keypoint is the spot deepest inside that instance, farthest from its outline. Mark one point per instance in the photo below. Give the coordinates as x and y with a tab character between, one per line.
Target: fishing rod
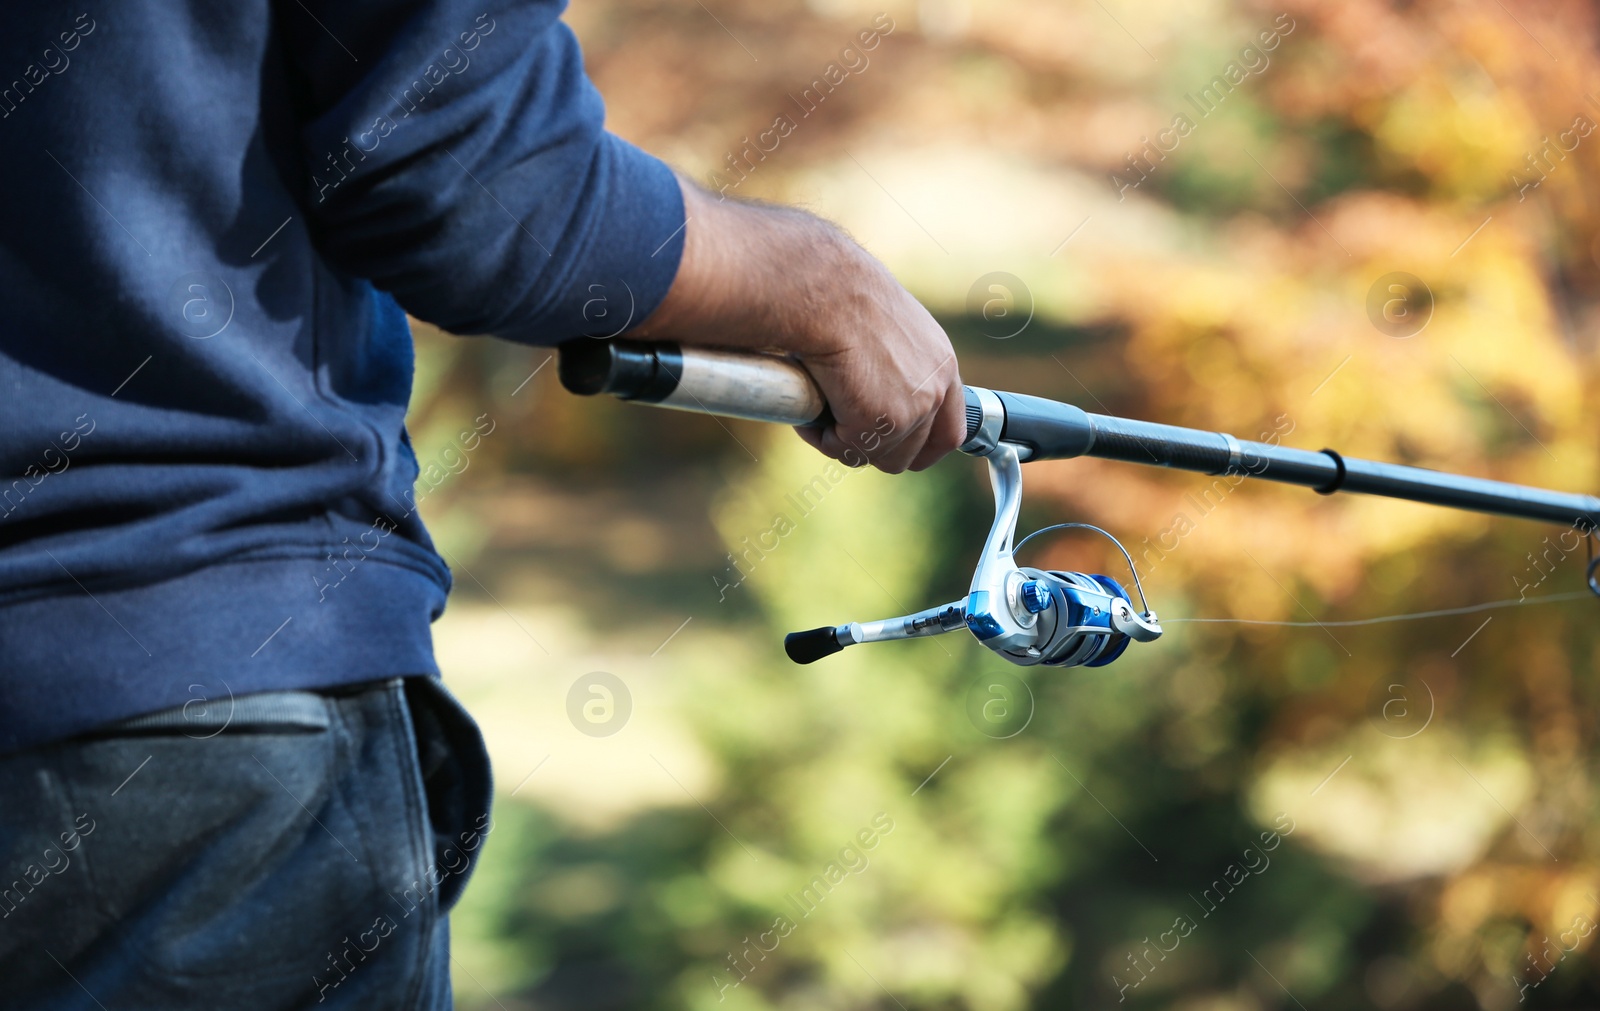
1029	615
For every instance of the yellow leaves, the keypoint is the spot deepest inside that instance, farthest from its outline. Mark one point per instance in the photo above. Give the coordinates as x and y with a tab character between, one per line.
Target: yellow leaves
1463	136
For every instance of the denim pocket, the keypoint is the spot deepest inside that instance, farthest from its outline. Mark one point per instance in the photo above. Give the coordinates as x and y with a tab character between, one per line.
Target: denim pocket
233	855
258	854
278	862
456	779
46	892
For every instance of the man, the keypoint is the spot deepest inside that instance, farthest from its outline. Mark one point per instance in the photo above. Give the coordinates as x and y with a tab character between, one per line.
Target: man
230	777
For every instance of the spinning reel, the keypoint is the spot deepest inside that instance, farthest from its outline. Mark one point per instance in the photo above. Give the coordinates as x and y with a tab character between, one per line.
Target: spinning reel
1027	615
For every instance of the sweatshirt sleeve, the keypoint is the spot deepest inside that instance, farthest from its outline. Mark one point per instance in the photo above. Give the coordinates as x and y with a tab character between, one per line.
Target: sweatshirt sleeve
457	157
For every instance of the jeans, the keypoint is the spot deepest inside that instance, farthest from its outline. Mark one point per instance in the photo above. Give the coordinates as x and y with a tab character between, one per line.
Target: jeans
274	851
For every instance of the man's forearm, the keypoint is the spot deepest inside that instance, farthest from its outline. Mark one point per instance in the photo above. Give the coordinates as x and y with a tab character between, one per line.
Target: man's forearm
754	276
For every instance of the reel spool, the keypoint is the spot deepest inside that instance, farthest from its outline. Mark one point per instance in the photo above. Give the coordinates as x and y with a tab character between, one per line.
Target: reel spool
1075	615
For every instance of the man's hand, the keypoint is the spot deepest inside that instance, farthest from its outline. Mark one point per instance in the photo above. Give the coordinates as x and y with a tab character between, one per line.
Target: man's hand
758	277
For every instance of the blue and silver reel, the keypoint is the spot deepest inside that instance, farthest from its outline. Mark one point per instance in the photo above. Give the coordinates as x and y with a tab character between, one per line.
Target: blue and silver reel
1029	616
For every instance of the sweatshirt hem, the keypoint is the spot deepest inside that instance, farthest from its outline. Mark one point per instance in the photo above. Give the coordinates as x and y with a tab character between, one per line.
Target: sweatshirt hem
72	662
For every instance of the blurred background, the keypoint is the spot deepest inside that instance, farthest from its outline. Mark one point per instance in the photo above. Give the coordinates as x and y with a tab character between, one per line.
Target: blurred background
1363	225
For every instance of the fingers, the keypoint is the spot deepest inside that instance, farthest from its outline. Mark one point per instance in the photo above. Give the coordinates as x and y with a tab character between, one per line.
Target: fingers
827	442
811	435
891	458
930	440
896	458
940	431
949	428
889	375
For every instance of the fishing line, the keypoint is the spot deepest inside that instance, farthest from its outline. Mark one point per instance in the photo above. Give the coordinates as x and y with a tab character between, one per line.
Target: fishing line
1592	573
1475	608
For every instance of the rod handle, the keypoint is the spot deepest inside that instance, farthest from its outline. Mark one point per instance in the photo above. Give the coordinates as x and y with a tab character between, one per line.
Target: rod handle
736	384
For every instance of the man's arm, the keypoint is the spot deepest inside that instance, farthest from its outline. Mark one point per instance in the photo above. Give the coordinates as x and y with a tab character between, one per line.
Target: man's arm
459	161
755	276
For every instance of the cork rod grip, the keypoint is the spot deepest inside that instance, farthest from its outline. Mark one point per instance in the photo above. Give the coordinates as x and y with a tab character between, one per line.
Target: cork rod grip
737	384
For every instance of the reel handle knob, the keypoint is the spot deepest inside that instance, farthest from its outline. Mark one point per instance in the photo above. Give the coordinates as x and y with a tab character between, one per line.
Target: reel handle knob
1035	598
813	644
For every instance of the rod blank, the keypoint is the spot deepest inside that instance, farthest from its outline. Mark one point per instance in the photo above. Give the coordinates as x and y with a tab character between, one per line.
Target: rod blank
1054	431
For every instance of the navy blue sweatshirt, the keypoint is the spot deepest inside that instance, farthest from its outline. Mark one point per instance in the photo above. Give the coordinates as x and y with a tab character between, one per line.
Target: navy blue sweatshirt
215	218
